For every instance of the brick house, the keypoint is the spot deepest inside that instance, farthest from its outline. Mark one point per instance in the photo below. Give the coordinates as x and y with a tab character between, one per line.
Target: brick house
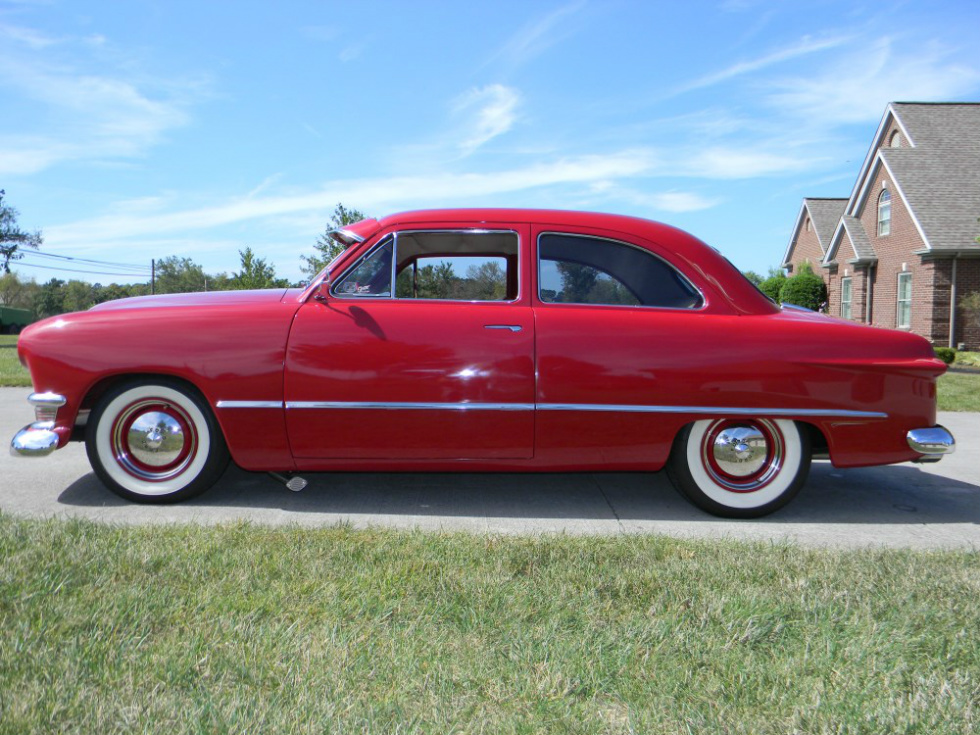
902	250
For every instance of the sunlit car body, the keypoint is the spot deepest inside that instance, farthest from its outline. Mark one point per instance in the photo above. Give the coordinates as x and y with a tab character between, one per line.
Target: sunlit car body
485	340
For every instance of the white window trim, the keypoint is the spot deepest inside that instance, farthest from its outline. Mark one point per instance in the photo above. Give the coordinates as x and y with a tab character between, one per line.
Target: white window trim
884	223
900	301
849	290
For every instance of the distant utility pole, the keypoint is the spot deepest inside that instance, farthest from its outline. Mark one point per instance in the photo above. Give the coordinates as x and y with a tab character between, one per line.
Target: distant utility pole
153	276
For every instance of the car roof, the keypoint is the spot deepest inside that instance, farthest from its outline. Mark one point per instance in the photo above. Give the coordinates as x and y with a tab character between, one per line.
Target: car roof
721	276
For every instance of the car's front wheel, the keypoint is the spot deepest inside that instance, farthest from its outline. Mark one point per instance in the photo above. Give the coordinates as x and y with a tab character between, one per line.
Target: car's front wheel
155	442
740	468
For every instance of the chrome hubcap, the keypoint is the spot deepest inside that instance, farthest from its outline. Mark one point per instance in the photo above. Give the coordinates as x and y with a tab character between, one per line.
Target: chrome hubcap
740	451
153	440
156	439
743	455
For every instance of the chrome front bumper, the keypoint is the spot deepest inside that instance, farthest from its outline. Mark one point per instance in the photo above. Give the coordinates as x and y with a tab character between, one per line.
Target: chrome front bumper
931	443
39	439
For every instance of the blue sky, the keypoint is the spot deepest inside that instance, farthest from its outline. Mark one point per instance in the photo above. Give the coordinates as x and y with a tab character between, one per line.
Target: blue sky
133	130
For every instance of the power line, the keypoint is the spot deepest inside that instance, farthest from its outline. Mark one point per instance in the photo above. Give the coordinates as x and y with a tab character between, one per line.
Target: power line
107	263
19	264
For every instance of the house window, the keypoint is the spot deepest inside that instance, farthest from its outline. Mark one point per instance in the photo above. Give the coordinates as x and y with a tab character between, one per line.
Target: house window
896	140
884	213
904	300
845	298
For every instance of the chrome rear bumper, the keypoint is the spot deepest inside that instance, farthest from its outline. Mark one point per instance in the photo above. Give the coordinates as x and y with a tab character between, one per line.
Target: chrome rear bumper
931	443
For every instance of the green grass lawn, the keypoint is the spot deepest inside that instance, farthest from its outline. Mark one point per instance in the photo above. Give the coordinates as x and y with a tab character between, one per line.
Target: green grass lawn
184	629
11	371
959	392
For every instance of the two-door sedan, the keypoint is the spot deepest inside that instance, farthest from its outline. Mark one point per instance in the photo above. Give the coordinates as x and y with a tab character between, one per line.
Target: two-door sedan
485	340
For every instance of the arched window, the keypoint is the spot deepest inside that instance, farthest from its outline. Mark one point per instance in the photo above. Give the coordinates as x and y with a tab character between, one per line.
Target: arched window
884	213
896	140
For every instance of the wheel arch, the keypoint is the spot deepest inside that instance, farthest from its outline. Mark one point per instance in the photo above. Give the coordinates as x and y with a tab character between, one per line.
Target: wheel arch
108	382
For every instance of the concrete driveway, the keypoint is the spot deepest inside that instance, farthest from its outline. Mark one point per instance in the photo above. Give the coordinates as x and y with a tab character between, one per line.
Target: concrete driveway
922	506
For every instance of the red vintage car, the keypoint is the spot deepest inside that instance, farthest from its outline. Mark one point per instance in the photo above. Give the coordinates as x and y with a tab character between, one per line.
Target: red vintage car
485	340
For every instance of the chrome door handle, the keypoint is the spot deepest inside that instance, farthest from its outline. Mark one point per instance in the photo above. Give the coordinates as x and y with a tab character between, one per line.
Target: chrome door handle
511	327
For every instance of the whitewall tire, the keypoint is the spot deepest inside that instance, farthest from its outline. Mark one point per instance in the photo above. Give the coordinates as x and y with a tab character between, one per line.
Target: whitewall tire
740	468
155	441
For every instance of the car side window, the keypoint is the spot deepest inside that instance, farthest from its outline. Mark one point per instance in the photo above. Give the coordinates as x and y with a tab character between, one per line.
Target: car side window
458	265
577	269
370	277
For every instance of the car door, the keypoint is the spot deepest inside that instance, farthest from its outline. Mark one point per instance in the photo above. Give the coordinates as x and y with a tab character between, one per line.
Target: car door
617	330
424	349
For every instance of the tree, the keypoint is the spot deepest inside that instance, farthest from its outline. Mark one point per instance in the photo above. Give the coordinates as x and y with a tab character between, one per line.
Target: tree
12	238
78	296
50	299
486	282
773	284
255	273
326	247
180	275
971	305
805	289
12	291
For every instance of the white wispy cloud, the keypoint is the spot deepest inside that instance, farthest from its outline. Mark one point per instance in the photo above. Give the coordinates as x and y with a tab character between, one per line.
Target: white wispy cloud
125	226
859	86
111	116
487	112
535	37
743	163
803	47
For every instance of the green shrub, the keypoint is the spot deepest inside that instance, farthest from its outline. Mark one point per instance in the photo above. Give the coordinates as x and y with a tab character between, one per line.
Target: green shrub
805	289
773	285
946	354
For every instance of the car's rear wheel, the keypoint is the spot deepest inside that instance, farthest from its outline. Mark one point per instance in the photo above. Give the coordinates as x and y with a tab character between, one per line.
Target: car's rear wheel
155	442
740	468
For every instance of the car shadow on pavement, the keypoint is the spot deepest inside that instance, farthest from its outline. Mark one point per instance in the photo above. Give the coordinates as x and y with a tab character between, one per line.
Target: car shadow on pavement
899	494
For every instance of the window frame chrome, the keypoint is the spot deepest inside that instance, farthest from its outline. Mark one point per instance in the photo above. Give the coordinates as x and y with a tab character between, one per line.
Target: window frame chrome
432	230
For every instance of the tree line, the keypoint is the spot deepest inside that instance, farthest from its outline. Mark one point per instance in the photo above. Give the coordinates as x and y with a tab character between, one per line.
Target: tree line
173	274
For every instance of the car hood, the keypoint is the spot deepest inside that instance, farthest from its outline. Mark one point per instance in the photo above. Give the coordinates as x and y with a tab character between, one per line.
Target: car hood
210	298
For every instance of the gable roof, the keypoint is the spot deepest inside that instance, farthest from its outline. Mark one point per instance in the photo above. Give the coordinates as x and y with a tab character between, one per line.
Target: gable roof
937	174
824	214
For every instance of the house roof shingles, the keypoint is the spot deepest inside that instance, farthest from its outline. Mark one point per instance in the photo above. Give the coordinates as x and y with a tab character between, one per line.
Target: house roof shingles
825	214
940	176
859	238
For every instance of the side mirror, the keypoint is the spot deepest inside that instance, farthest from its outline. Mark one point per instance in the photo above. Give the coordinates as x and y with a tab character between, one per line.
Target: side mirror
323	290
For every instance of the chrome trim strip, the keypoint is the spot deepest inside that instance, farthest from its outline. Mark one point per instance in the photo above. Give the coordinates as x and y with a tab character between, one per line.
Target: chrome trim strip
608	408
511	327
713	410
393	237
406	406
345	237
248	404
